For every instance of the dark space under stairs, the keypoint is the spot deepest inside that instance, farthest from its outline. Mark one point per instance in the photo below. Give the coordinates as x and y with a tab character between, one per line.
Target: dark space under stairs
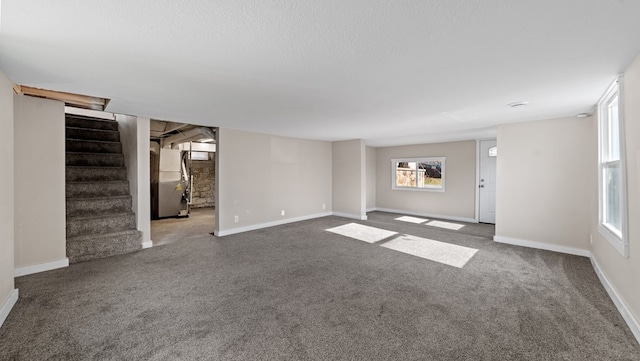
100	220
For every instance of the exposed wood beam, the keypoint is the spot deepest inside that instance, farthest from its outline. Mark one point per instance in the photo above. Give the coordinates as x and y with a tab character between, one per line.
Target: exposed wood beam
76	100
17	89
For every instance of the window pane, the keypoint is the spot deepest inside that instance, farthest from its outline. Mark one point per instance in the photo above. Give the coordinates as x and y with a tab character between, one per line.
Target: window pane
614	132
406	174
200	155
431	175
612	207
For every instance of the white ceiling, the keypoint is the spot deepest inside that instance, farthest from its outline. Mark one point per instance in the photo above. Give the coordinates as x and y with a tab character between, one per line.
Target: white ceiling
390	72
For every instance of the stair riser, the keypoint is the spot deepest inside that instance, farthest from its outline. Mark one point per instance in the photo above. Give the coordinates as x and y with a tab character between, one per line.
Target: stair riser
83	226
95	174
91	124
95	159
96	207
93	146
89	248
92	134
97	189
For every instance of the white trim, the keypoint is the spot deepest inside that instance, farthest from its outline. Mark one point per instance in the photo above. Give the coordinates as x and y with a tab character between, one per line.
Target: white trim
619	241
371	209
23	271
349	215
254	227
8	305
449	218
544	246
632	322
147	244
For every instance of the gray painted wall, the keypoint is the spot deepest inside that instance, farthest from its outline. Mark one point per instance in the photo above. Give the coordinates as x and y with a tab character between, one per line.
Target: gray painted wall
39	176
134	135
458	200
544	181
260	175
6	194
349	178
622	271
371	177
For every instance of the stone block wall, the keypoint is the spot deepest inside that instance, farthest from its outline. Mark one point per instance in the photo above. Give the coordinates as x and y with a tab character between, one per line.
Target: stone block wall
203	185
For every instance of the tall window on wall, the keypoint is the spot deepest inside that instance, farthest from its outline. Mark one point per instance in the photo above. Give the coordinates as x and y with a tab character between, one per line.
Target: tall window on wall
612	176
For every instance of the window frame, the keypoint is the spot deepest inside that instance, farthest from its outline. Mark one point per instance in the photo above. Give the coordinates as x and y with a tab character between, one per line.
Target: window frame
618	239
421	159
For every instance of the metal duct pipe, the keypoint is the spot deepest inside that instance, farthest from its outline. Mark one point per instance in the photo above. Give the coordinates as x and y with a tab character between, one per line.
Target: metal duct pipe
190	135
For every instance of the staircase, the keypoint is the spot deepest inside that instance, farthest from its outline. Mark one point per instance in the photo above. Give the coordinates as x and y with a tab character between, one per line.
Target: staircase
100	221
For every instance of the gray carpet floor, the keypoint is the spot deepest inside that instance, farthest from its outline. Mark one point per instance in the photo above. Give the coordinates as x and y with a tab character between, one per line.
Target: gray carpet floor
298	292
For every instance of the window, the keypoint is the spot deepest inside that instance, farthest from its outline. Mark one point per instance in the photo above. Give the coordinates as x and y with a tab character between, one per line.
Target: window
200	155
418	174
611	169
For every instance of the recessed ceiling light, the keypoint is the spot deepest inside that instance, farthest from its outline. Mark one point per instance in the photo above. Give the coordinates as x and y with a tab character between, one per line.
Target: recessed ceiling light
517	104
583	115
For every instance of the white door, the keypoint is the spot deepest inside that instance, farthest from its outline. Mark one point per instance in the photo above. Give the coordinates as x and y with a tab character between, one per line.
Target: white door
487	186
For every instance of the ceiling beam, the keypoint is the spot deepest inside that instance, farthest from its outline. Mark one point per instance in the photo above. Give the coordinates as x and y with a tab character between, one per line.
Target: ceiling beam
76	100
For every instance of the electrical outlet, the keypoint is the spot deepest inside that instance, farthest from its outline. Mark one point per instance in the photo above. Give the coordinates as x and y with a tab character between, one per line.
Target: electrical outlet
236	219
282	212
324	206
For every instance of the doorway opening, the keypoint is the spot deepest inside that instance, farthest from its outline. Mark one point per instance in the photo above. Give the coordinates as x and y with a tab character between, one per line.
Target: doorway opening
183	179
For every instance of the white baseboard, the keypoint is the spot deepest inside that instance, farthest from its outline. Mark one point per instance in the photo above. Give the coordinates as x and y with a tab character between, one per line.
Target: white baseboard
349	215
632	322
147	244
8	305
23	271
254	227
540	245
371	209
430	215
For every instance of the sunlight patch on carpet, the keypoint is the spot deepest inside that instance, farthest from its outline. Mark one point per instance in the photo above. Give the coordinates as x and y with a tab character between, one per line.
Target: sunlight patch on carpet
449	254
445	225
362	233
411	219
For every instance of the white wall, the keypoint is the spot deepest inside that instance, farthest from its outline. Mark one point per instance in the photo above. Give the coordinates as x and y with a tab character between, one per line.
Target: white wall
134	135
458	200
7	293
349	179
260	175
39	177
544	172
371	177
623	272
